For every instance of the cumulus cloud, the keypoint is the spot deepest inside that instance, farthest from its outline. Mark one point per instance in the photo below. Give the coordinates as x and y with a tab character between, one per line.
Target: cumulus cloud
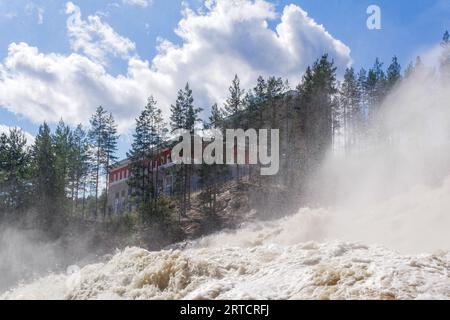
140	3
222	39
233	37
50	86
5	129
94	38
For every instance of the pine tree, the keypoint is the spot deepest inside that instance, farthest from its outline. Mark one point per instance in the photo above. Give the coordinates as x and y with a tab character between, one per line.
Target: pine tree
316	93
147	141
216	118
415	67
363	103
234	102
14	174
63	146
393	74
79	165
409	71
184	116
380	82
350	102
233	109
211	175
178	121
445	59
260	100
374	86
47	189
191	113
275	90
177	116
97	137
109	150
375	90
192	118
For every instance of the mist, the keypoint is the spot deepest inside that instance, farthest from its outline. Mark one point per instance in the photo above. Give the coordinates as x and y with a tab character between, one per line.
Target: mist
395	192
27	254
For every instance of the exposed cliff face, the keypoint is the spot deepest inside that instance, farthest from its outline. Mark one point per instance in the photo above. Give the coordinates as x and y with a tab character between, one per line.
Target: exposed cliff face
237	204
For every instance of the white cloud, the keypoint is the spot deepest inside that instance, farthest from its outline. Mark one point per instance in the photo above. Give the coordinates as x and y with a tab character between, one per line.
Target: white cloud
94	38
225	38
50	86
140	3
5	129
233	37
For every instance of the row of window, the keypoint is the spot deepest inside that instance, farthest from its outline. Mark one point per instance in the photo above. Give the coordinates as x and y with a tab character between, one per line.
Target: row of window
121	175
124	174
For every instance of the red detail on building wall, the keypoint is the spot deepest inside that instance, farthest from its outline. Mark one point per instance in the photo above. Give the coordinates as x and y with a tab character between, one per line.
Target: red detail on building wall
121	173
118	174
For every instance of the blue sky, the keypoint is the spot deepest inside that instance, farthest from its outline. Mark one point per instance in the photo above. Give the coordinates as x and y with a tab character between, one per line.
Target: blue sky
408	28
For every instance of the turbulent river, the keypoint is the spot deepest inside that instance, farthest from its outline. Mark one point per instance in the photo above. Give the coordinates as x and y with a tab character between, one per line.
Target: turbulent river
292	258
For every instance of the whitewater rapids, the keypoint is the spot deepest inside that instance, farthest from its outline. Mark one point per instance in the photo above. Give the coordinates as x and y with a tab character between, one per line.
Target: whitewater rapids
261	261
314	254
304	271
